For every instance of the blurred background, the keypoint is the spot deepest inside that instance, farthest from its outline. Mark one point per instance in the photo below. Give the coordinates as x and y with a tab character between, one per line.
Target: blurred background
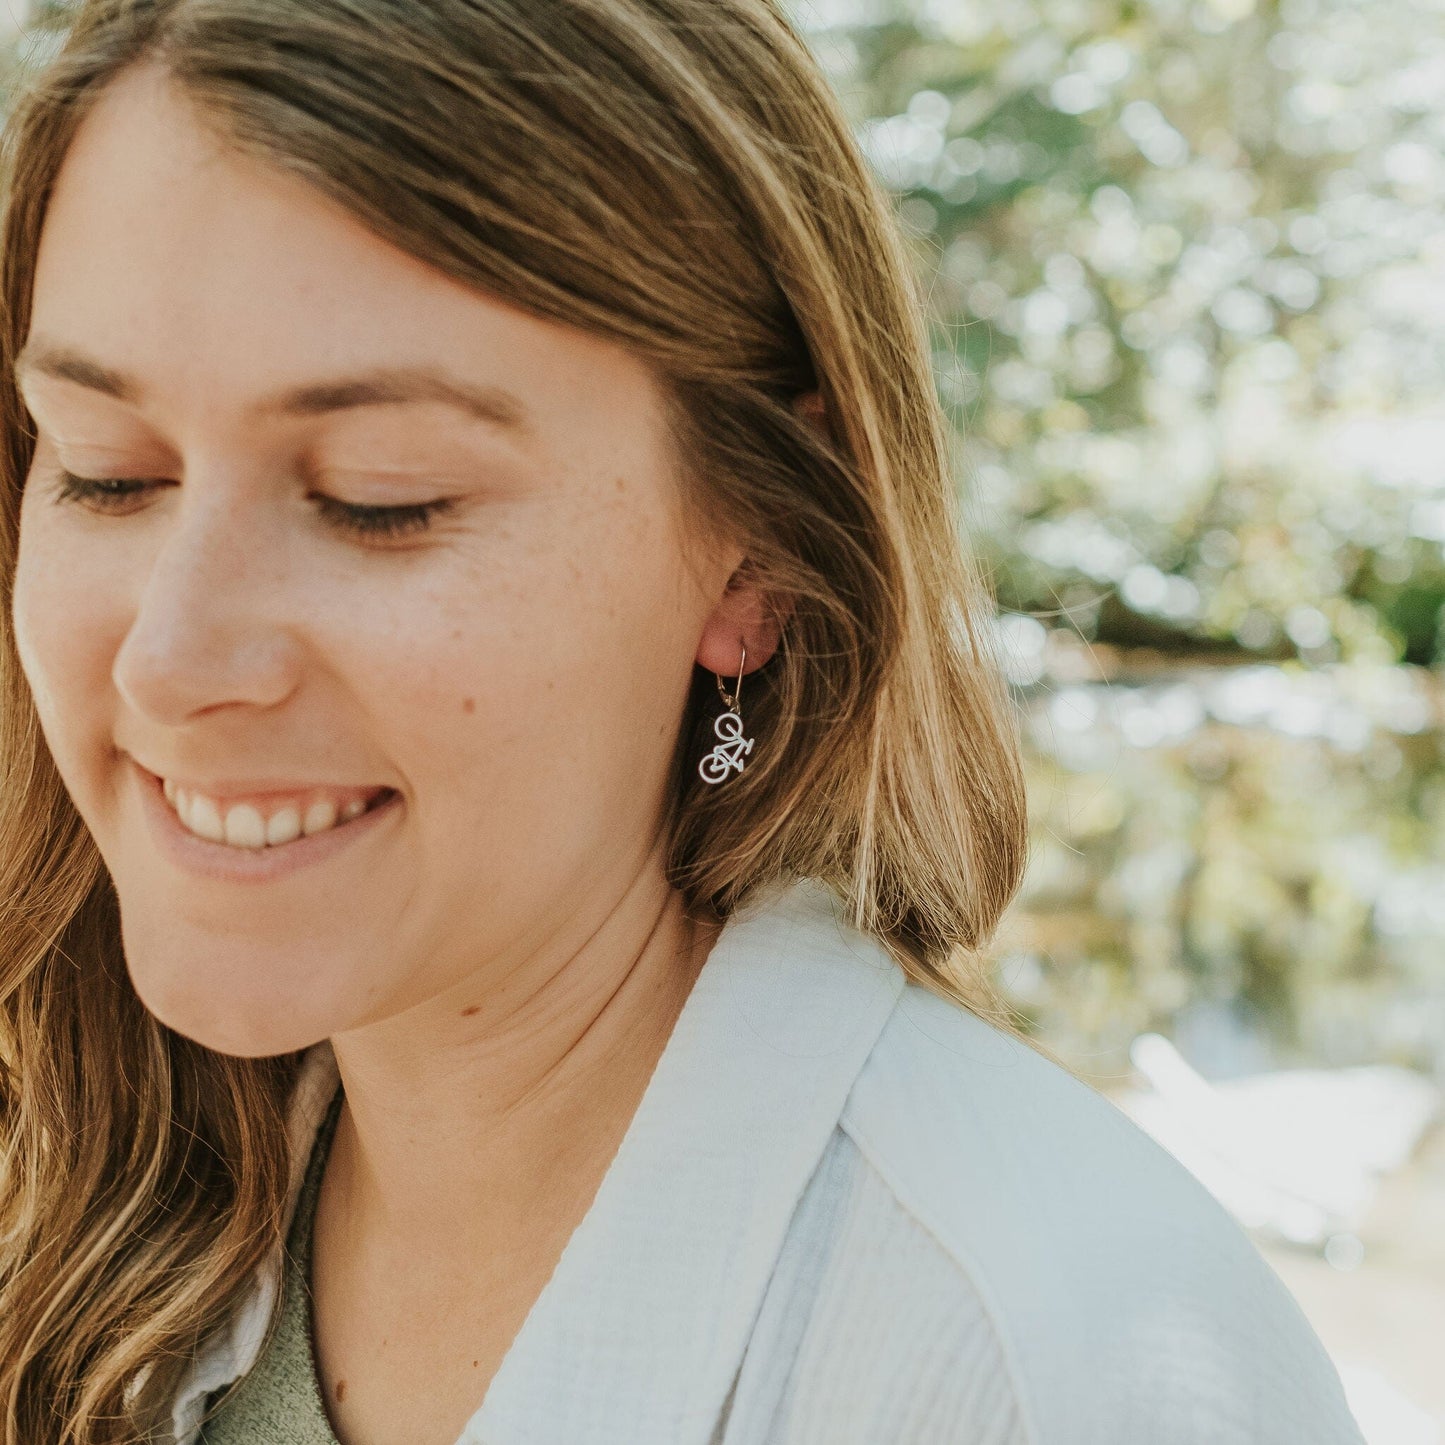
1185	269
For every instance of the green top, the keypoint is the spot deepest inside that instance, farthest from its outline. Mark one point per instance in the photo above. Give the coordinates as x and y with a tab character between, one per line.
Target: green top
278	1402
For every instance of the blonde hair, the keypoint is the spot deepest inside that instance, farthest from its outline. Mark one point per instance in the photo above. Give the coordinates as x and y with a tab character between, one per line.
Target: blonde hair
676	175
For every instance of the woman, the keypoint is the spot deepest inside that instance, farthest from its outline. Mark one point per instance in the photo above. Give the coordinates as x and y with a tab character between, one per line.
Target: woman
504	805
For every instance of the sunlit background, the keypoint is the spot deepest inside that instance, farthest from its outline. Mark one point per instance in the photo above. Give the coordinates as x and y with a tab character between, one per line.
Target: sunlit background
1185	263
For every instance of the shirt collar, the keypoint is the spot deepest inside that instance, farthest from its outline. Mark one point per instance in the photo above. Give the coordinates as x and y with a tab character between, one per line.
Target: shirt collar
637	1335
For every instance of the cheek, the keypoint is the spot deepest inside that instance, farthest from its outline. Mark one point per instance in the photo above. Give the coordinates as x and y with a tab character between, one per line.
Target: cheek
63	631
546	685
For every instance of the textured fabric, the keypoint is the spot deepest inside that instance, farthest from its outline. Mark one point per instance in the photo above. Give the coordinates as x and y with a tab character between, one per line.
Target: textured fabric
869	1331
279	1401
847	1212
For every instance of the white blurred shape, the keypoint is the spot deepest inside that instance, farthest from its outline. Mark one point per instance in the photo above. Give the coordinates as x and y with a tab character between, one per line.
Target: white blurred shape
1294	1153
1384	1415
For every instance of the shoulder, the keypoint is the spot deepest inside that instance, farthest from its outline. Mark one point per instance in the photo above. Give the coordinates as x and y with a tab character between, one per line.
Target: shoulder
1126	1302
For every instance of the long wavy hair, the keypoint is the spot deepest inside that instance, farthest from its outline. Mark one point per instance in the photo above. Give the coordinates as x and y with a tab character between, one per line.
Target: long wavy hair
678	176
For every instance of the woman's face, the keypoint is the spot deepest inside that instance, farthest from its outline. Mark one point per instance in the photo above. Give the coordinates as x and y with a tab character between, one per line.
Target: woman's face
513	666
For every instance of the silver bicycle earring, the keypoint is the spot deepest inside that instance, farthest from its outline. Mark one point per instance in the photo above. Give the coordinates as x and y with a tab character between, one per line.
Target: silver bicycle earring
732	746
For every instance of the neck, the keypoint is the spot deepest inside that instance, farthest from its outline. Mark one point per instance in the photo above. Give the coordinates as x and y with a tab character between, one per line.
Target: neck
466	1123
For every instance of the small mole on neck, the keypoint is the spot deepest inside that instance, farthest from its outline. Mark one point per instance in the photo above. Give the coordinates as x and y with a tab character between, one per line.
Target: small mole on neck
469	704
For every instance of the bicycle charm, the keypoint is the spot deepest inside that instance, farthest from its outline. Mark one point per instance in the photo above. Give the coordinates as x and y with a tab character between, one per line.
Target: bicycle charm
729	753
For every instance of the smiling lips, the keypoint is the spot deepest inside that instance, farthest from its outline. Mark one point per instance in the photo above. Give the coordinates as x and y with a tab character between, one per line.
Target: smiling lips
261	822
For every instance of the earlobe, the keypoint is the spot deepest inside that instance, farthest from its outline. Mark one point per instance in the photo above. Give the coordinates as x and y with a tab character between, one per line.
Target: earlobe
745	617
809	405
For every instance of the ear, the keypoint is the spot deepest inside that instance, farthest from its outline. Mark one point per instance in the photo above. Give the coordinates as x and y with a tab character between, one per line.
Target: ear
745	617
809	405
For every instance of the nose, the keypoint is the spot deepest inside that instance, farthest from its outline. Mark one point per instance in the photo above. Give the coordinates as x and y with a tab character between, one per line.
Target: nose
210	628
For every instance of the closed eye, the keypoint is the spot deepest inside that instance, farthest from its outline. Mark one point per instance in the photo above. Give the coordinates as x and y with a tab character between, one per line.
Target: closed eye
112	494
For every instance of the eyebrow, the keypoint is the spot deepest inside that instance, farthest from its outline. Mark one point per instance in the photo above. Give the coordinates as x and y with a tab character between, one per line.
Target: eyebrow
378	386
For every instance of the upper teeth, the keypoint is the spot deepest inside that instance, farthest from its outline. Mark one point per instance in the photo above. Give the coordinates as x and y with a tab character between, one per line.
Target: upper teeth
243	825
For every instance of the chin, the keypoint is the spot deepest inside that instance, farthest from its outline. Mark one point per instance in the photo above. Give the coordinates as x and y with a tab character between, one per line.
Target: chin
237	1014
237	1031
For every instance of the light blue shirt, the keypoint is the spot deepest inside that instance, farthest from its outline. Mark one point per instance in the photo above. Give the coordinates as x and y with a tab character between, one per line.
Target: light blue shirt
847	1212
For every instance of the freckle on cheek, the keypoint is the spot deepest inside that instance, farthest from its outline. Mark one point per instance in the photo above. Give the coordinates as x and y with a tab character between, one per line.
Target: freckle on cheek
471	1008
469	704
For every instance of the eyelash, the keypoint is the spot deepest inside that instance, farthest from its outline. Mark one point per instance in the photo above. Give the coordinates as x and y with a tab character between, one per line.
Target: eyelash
358	519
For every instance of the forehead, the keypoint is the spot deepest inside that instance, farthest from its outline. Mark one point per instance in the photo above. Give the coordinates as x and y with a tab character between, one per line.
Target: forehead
217	278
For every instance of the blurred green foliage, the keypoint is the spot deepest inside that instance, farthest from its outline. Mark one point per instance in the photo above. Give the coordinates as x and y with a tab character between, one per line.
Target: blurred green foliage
1185	268
1185	264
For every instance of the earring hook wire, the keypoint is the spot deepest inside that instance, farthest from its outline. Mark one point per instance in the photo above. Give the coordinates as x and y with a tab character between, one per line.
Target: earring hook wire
735	700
